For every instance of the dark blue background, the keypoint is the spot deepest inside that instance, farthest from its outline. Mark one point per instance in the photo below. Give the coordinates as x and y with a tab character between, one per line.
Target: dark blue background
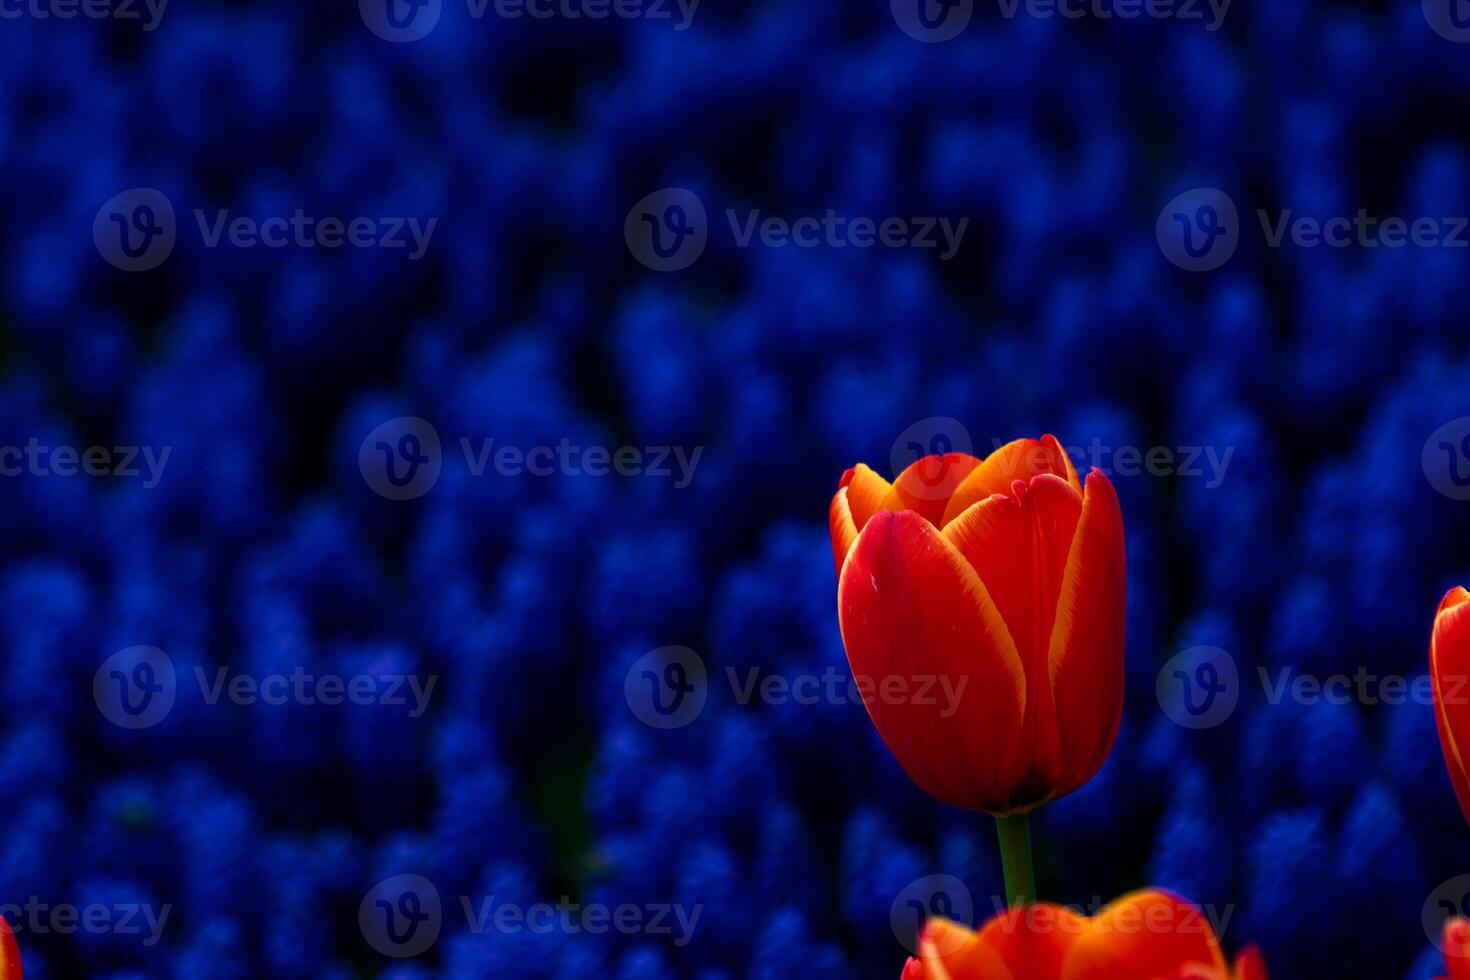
1322	829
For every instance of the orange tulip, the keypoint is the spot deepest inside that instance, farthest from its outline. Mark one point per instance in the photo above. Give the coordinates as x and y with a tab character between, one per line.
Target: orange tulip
1449	667
1148	935
1456	948
9	953
1005	579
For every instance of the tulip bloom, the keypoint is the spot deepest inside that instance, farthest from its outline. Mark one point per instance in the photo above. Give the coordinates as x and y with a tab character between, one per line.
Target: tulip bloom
1449	668
1148	935
9	953
1004	576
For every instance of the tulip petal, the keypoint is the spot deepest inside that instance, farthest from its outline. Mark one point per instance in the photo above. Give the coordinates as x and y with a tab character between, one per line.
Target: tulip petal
913	611
927	485
1456	946
9	953
1019	545
1086	652
1148	935
865	493
1021	459
1250	964
844	529
1033	941
951	952
1449	671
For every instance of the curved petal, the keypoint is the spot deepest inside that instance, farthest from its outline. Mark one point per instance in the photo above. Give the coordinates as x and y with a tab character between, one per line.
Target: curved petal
9	953
1034	941
1019	545
930	653
1250	964
1449	671
1022	459
843	527
927	484
1148	935
865	492
1456	946
1086	652
952	952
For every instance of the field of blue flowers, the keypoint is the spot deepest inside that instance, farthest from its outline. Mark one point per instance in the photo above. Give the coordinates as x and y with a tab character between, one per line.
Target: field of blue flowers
236	392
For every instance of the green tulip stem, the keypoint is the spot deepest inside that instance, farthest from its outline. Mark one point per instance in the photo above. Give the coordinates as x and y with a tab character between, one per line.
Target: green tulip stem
1015	858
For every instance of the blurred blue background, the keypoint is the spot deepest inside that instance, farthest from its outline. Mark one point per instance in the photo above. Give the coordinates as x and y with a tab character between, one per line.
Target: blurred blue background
265	547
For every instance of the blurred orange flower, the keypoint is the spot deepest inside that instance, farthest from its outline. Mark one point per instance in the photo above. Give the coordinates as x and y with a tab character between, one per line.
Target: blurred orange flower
1004	581
1147	935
